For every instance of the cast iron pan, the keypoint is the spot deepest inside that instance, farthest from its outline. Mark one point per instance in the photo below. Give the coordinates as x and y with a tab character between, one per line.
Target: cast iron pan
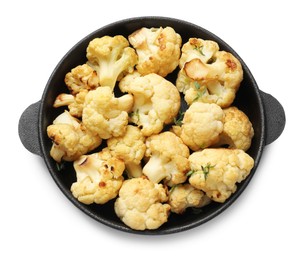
265	112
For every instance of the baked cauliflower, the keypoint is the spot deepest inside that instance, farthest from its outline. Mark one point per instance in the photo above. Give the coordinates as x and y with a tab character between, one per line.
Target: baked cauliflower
158	50
183	196
168	159
99	177
238	130
156	101
130	148
140	204
81	77
201	126
111	58
70	138
105	115
207	74
75	102
217	170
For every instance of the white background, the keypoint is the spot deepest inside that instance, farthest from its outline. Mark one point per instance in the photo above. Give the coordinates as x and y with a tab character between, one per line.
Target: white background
38	222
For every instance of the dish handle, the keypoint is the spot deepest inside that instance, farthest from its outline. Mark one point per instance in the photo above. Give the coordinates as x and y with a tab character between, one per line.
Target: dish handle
28	128
274	117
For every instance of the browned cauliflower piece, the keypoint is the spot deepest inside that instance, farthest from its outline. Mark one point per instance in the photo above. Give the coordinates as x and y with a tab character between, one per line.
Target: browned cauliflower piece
183	196
217	170
156	101
80	78
106	115
207	74
112	58
238	130
158	50
130	148
168	159
201	126
99	177
70	138
140	204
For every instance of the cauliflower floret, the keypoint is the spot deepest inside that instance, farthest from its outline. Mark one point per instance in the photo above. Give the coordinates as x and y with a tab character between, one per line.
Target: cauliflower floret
201	126
70	138
75	102
156	101
217	170
214	78
238	131
168	159
158	50
99	177
111	57
81	77
140	204
130	148
105	115
183	196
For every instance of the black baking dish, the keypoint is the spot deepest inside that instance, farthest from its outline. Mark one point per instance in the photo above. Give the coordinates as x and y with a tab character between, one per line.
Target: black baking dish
265	112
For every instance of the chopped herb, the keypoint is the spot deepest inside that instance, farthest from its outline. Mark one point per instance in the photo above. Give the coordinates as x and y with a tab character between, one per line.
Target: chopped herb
191	172
206	169
178	120
197	85
172	188
60	166
199	49
135	114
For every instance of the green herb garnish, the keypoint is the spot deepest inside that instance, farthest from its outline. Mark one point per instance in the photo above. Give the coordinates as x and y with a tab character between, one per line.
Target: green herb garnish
206	169
200	90
199	49
178	120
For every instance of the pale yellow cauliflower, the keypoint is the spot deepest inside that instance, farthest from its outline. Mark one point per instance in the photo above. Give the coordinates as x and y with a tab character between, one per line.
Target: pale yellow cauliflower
140	204
184	196
158	50
168	159
130	148
238	130
207	74
99	177
105	115
156	101
112	58
201	126
70	138
216	171
75	102
81	77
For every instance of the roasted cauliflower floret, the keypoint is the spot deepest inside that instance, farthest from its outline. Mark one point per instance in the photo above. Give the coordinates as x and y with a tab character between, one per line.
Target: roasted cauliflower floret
214	78
201	126
112	58
99	177
82	77
217	170
168	159
238	131
70	138
140	204
156	101
105	115
75	102
130	148
158	50
184	196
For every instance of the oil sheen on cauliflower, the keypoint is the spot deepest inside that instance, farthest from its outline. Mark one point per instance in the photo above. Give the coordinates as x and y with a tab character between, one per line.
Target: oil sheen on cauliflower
207	74
168	159
130	148
99	177
156	101
140	204
105	115
70	138
158	50
217	170
201	126
184	196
